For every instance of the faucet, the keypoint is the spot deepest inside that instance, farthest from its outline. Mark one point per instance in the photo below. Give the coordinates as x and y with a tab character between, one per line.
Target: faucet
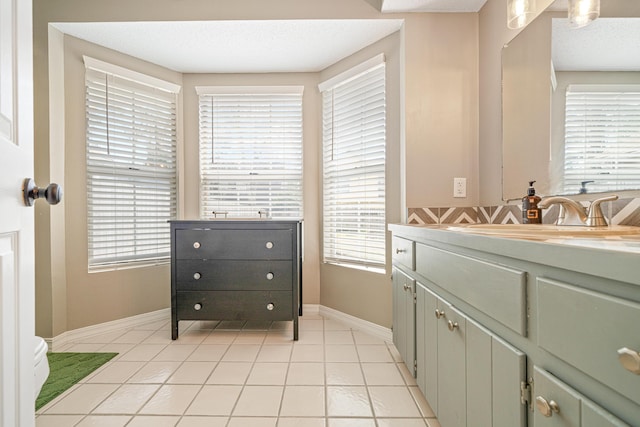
573	213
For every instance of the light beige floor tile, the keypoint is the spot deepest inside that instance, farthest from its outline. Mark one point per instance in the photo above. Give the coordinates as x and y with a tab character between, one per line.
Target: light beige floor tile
54	401
128	399
305	373
241	353
221	337
338	337
340	353
143	352
215	400
252	422
175	353
301	422
344	374
83	348
348	401
154	326
382	374
393	402
282	325
161	336
250	337
374	353
104	421
259	401
171	399
192	373
230	373
119	348
83	399
352	422
307	353
303	401
275	353
193	336
401	422
154	421
103	338
365	338
115	372
133	337
312	324
57	420
268	373
335	325
208	353
310	337
279	337
192	421
154	373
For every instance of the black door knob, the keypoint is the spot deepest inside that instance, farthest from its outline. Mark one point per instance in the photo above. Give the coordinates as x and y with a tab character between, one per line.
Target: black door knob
52	194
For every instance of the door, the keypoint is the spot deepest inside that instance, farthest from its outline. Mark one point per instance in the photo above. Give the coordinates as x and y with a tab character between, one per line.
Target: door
17	323
404	318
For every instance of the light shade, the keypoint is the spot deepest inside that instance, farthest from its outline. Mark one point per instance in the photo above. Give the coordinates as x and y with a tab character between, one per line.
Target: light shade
582	12
520	13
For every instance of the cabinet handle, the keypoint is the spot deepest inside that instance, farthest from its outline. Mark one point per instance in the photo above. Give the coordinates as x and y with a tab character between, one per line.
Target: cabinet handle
269	245
270	276
197	276
630	360
196	245
439	313
197	307
399	251
452	325
270	306
406	287
547	408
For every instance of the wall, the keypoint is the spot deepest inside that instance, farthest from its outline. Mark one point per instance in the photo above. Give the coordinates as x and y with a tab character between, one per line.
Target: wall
438	100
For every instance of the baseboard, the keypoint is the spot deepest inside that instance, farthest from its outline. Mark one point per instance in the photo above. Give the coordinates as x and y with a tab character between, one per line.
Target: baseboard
357	323
89	331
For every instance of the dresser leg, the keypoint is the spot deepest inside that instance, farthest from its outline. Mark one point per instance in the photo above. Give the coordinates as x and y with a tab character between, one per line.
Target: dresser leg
174	330
295	329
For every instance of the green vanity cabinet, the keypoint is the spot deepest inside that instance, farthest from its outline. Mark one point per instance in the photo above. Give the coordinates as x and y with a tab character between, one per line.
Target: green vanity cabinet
404	317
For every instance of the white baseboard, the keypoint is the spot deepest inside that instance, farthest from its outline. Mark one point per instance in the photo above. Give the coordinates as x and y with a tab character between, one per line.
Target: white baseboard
89	331
165	314
357	323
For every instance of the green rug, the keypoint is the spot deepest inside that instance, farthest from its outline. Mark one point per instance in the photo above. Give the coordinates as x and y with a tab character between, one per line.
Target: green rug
66	370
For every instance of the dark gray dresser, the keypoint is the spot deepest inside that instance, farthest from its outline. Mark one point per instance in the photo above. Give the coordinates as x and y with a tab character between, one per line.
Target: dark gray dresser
236	270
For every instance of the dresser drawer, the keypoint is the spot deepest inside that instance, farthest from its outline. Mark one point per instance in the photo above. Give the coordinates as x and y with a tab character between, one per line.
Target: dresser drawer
586	329
235	305
498	291
403	252
256	275
233	244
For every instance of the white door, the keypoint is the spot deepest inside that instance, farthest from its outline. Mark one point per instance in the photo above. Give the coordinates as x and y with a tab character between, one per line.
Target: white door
17	306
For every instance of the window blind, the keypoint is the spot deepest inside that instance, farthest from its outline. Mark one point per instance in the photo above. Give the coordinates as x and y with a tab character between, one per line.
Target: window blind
131	169
251	152
353	134
602	137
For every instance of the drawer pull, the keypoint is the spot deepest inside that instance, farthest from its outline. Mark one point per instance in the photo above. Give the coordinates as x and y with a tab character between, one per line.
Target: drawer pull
546	408
630	360
197	307
196	245
439	313
269	245
197	276
270	276
399	251
270	306
406	287
452	325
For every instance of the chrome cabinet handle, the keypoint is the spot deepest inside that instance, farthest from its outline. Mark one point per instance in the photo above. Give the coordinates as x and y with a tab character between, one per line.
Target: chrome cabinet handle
452	325
196	245
270	306
197	307
269	245
546	408
406	287
270	276
399	251
197	276
630	360
439	313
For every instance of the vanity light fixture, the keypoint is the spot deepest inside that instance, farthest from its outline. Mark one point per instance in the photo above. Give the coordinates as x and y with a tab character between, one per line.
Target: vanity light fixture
520	13
582	12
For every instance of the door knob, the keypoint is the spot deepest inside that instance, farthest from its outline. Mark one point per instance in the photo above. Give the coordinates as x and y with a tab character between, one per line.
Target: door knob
30	192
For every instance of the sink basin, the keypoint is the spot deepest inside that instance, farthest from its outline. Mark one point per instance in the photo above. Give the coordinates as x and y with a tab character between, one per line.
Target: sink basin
546	231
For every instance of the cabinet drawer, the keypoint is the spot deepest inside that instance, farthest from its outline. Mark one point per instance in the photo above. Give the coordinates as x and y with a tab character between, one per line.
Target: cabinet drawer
233	244
403	252
235	305
498	291
203	275
586	329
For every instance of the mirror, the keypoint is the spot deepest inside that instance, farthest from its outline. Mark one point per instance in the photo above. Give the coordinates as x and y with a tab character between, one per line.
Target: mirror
540	66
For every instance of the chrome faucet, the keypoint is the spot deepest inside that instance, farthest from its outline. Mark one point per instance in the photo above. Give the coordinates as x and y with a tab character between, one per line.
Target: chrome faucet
573	213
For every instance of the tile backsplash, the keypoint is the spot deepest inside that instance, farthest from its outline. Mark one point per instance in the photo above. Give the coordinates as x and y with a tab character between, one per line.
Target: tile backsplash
620	212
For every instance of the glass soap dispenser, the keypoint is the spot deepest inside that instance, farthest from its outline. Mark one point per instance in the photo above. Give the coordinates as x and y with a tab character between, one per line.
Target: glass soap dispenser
531	213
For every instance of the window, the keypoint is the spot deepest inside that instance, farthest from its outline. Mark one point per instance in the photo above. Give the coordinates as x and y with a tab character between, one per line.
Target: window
131	165
353	135
251	151
602	138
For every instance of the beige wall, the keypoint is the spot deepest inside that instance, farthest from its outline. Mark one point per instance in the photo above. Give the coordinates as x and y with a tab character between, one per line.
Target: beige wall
437	96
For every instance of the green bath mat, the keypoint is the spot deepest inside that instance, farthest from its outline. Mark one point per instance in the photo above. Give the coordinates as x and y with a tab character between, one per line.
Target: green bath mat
66	370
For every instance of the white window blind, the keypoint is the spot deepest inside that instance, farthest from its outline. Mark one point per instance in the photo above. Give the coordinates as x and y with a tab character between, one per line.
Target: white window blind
131	169
251	152
602	137
353	134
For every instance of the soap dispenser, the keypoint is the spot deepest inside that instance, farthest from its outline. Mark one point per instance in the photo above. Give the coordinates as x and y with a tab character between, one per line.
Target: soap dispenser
531	213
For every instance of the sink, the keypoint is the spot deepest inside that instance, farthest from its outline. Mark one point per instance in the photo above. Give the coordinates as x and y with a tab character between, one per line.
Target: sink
546	231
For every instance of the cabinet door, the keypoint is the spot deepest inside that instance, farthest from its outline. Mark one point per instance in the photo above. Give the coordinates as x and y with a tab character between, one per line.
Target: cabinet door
508	371
595	416
404	317
556	405
427	345
452	399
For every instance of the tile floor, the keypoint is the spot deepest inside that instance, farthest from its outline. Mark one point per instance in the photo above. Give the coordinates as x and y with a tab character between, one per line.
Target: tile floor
235	374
